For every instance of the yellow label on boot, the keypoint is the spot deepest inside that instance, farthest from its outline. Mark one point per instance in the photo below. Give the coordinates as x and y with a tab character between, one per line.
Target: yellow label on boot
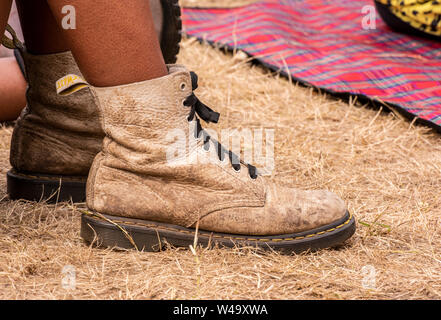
70	84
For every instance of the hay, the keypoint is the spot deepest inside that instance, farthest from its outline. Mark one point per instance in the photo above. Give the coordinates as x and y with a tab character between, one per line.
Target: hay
386	169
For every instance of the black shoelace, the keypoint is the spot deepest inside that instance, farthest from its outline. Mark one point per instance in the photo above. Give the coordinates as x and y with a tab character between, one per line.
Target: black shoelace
208	115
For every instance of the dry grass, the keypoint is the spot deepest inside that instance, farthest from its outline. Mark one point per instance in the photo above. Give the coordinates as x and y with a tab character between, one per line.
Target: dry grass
386	169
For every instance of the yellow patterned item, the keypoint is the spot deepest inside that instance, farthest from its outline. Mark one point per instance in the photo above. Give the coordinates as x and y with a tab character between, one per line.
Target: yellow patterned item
424	15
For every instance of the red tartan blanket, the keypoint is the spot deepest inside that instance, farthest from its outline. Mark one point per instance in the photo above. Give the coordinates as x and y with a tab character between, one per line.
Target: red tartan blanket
323	43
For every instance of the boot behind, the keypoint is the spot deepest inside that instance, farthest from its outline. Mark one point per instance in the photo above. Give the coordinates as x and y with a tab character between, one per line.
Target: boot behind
56	137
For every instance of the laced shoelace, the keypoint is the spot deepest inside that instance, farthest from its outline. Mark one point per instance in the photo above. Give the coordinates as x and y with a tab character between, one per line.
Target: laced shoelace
208	115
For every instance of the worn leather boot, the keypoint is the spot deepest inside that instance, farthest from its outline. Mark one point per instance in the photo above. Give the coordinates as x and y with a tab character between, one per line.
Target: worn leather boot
140	196
56	137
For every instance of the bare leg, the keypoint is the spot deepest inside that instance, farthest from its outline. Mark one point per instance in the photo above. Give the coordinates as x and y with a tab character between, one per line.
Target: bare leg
42	36
41	32
12	83
12	90
115	41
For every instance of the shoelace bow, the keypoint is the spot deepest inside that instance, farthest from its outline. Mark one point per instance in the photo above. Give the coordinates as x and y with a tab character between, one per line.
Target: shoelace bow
208	115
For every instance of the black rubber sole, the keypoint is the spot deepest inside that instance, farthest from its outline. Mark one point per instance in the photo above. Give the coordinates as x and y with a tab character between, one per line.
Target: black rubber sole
116	232
171	30
49	188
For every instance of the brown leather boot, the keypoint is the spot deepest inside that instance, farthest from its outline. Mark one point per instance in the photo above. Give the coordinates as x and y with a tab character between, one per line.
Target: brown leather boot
57	137
138	195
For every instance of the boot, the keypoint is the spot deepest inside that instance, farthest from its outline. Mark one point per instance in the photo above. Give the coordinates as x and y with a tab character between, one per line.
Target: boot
139	196
56	137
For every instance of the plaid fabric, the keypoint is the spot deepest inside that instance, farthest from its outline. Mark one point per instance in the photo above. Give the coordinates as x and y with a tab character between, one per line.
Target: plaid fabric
322	43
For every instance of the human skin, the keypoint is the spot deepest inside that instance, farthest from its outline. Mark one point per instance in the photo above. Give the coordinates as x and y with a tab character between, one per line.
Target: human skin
42	36
12	89
12	83
41	31
114	42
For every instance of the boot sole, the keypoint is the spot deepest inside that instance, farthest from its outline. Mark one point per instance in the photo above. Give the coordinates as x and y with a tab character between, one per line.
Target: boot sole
48	188
125	233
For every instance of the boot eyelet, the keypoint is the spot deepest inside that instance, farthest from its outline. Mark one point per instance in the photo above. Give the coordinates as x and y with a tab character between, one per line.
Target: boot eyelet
198	138
237	170
183	103
223	161
183	86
